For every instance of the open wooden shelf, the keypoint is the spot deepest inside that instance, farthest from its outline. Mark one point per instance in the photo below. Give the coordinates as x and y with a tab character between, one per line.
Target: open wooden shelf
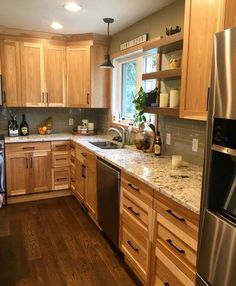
163	110
166	44
163	75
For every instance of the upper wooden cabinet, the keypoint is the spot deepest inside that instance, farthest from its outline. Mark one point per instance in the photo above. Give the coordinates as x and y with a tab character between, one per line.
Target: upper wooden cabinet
87	84
55	77
78	76
32	74
202	20
10	55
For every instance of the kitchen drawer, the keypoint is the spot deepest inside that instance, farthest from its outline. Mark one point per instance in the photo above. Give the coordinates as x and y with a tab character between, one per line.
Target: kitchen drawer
171	271
140	190
164	277
60	145
72	148
60	159
173	243
181	221
138	230
81	153
137	209
135	253
28	147
61	178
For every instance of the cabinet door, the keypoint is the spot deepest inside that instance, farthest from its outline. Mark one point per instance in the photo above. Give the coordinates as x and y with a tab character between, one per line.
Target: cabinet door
91	184
40	171
78	76
17	173
32	70
99	79
79	177
201	22
55	76
10	53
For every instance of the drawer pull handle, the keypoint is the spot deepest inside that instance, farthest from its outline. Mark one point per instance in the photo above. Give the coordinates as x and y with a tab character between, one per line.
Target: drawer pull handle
175	216
175	247
28	148
61	179
131	209
61	146
84	154
131	245
61	159
83	171
134	188
72	180
166	284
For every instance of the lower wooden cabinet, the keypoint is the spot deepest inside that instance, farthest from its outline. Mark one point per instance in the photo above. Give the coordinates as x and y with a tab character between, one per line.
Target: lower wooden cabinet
28	168
85	180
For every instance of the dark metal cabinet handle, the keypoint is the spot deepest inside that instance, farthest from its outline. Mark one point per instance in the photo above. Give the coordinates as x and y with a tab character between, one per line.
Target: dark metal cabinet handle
175	216
28	148
166	284
134	188
61	146
131	245
31	162
87	98
27	163
43	99
61	179
83	171
61	159
84	154
47	97
175	247
131	209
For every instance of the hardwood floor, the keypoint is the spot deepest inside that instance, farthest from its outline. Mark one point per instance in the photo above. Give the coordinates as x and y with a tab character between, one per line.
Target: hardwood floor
52	242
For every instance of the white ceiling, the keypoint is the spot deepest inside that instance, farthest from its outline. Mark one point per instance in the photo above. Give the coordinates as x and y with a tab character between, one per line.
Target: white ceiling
37	15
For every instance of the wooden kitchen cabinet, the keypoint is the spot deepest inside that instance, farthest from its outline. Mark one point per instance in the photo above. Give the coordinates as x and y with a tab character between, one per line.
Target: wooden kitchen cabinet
136	225
87	84
61	163
11	80
175	243
55	77
32	74
86	182
28	168
202	20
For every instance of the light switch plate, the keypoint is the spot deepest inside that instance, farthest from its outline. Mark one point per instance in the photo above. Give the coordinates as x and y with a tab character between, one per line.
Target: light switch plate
195	145
71	121
168	138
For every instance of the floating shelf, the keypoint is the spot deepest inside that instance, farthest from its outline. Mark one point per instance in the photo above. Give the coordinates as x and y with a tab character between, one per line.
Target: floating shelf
163	111
165	45
163	75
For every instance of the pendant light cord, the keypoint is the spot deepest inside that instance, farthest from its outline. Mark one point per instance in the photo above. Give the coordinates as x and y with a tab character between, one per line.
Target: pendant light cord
108	42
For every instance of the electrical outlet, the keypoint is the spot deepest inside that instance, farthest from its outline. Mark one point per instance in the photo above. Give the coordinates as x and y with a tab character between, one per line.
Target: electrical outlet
71	121
195	145
168	138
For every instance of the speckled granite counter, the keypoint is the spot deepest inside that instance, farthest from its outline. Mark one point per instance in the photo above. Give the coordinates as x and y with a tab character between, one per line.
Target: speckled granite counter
183	184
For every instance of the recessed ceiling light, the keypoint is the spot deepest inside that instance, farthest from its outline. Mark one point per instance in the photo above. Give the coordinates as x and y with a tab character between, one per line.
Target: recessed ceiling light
72	6
56	26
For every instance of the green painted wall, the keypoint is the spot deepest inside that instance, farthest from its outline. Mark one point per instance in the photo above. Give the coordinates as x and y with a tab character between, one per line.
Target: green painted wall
154	25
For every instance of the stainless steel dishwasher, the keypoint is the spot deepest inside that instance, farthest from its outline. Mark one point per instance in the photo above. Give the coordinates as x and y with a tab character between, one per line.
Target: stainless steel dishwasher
108	196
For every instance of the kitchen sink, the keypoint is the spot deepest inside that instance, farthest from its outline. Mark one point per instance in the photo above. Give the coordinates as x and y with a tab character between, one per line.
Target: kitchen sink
106	145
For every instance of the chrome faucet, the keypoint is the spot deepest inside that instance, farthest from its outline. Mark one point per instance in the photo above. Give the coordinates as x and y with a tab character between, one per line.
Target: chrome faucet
120	133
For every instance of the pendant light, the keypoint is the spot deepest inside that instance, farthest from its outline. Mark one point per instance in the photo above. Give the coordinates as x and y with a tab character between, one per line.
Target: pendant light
107	63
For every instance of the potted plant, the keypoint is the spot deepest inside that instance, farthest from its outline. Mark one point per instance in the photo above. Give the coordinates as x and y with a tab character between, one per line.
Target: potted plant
140	102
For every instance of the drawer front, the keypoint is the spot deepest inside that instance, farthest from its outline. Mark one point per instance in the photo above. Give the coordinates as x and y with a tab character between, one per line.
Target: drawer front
174	273
135	253
28	147
173	243
164	277
72	148
137	188
60	159
81	154
136	209
60	145
61	178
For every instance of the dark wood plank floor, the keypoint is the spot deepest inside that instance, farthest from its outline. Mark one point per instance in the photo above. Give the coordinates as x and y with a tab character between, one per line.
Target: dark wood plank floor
52	242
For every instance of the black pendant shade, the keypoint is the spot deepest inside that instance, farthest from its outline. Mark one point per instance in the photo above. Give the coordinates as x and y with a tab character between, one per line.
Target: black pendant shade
107	63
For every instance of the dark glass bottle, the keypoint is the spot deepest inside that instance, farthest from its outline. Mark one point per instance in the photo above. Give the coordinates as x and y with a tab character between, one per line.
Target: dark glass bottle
24	128
158	145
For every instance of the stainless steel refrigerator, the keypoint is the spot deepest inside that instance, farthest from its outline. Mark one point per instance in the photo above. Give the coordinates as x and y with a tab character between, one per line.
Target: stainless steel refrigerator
216	263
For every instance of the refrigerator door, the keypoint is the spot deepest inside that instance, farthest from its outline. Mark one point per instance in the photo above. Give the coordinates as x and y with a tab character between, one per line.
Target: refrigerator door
217	253
224	74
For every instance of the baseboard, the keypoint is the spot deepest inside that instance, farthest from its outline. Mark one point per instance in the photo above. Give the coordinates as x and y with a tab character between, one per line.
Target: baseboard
38	196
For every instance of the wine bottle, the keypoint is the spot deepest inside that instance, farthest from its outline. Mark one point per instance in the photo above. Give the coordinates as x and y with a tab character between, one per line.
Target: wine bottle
158	145
24	128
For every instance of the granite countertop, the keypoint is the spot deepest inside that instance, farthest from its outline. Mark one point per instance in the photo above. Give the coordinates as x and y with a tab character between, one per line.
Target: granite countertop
182	184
